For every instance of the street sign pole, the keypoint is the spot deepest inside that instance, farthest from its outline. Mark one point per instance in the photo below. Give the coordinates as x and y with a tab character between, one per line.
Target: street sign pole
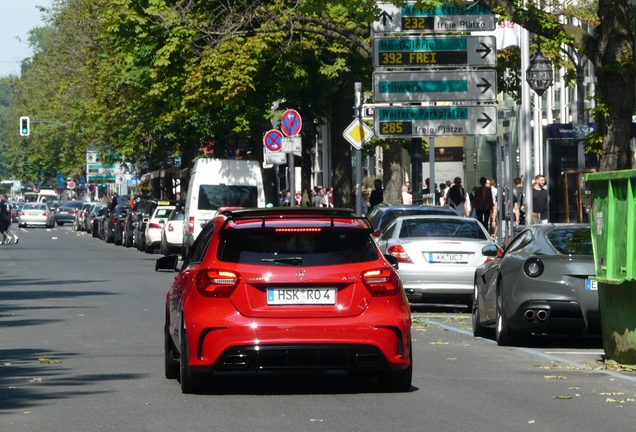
358	115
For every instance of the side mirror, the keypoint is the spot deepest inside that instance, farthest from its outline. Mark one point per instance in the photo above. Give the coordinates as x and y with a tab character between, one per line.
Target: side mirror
492	251
392	260
167	263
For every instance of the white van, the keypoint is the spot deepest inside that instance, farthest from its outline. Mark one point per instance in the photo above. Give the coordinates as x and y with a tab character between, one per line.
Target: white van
47	195
216	183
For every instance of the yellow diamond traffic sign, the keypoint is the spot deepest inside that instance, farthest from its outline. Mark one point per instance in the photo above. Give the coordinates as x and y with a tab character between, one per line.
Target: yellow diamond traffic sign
358	134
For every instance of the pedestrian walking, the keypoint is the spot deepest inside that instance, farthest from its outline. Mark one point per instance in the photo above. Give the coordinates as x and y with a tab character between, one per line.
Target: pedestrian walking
407	197
539	200
457	198
317	199
377	194
484	203
5	220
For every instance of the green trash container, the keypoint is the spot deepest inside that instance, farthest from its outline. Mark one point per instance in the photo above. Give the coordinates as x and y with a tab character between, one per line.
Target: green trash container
613	226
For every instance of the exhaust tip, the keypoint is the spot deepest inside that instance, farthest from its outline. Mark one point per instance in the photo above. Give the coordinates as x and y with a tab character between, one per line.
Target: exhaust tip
528	315
542	315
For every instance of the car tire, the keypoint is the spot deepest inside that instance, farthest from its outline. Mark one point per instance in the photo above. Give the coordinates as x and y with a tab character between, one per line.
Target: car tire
110	239
190	381
94	233
397	380
171	365
60	223
149	249
503	335
478	329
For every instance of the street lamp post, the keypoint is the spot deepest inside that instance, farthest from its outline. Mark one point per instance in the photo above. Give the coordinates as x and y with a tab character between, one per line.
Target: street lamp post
539	74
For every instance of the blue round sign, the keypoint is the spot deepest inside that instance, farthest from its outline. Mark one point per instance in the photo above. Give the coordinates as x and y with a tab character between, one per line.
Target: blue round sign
273	140
291	123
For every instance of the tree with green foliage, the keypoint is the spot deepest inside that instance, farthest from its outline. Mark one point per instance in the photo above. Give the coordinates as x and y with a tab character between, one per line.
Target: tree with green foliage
606	38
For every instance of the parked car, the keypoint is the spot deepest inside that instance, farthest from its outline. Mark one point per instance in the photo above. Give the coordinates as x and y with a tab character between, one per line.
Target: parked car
172	235
539	285
67	212
90	216
15	211
114	222
286	289
382	214
140	230
137	213
98	222
36	213
437	255
154	227
78	223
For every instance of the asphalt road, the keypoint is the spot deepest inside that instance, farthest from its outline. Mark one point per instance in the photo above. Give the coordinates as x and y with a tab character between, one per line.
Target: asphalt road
81	349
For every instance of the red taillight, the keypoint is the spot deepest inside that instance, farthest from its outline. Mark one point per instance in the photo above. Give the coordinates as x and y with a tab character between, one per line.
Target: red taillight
191	224
377	233
155	226
45	214
170	228
21	213
114	220
381	282
217	283
399	252
73	211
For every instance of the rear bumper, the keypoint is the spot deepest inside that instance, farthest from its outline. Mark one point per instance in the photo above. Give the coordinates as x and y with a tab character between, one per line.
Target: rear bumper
370	341
555	317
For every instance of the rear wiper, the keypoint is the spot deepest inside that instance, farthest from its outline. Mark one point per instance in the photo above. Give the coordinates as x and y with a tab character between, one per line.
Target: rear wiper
288	260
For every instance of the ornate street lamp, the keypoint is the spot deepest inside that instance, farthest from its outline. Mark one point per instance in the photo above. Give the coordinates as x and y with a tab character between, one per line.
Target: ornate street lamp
539	74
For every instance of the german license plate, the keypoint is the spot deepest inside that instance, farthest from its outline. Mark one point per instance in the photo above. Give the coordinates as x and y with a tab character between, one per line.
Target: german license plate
301	296
591	285
451	258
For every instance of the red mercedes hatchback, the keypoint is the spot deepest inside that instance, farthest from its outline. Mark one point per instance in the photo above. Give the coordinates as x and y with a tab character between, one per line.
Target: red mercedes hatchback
286	289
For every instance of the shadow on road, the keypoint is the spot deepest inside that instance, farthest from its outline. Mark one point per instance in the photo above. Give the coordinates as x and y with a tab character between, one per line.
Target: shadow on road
32	377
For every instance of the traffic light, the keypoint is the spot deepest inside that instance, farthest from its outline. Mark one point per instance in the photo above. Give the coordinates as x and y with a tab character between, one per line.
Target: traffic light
25	126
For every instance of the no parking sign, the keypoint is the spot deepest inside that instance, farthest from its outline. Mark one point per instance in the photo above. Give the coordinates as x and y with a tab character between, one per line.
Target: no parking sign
291	123
273	140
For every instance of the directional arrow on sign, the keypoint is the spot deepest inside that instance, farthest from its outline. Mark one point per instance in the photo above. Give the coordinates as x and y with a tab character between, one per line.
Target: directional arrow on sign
486	50
486	121
485	85
384	15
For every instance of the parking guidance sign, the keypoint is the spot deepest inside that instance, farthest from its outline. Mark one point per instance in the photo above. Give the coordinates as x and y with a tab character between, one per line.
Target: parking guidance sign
404	122
434	51
445	18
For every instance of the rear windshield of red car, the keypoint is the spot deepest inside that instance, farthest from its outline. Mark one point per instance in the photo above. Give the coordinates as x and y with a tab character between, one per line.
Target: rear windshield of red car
316	246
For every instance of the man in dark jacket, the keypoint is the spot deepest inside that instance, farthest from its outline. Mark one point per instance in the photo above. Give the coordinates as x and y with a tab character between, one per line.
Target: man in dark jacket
377	194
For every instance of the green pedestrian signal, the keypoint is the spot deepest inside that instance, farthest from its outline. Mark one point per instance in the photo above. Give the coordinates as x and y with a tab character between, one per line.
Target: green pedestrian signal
25	126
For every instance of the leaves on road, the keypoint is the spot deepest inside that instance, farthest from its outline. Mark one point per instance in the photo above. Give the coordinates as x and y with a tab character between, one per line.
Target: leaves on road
561	397
45	360
439	342
555	377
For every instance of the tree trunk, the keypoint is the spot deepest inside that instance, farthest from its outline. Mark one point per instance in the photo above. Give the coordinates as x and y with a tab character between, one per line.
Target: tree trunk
616	75
392	176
